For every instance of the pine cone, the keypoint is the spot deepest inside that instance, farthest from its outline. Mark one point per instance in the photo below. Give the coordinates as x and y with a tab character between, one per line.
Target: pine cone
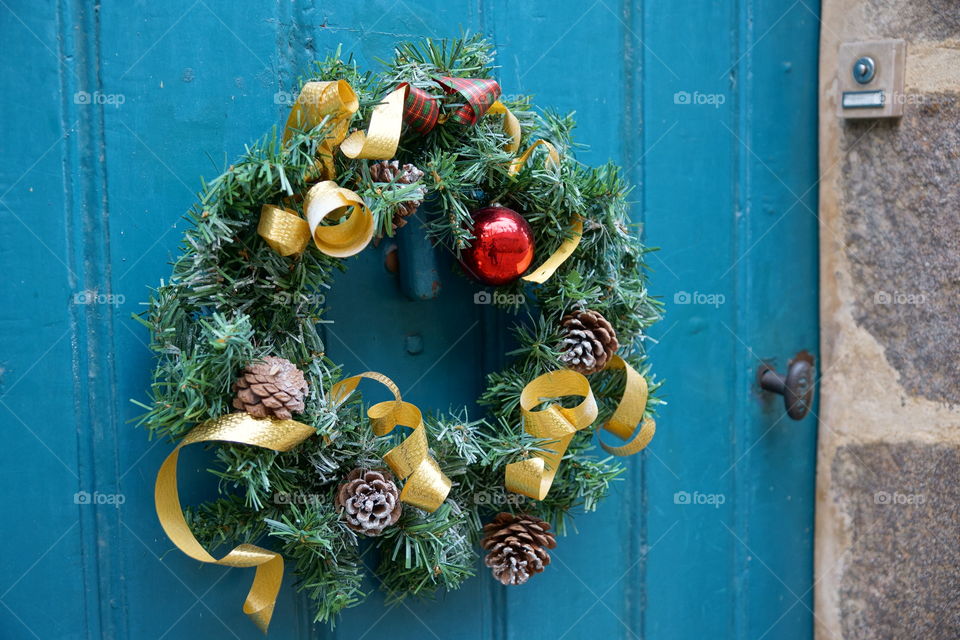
390	171
588	341
516	547
272	388
369	500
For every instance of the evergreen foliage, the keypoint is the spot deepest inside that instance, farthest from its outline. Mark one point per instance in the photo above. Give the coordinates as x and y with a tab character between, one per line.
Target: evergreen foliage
232	299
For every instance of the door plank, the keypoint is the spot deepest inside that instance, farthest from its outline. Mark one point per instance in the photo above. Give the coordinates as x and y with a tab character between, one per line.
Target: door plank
737	570
200	80
778	316
49	252
689	201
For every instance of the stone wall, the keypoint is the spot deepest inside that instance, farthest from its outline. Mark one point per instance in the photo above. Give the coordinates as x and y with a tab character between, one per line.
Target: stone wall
888	485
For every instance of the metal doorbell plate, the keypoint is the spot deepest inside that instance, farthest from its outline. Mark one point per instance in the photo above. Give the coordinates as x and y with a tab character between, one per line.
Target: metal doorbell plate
870	78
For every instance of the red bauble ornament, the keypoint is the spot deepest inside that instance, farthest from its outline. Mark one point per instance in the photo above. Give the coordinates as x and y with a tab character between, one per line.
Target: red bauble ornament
502	248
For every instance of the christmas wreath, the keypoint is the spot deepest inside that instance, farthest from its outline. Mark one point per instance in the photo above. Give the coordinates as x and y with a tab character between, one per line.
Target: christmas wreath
305	468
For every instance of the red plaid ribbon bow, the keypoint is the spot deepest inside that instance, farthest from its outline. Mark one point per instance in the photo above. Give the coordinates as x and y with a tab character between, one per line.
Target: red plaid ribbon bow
422	110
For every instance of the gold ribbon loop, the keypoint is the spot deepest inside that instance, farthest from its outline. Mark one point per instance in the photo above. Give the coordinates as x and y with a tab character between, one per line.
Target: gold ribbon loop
278	435
287	233
284	230
380	140
350	236
337	102
426	485
629	413
534	476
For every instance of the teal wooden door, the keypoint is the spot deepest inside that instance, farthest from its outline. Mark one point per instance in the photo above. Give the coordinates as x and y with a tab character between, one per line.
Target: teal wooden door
111	112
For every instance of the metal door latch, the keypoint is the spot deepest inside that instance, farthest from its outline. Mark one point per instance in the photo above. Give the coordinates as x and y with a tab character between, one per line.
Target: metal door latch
796	387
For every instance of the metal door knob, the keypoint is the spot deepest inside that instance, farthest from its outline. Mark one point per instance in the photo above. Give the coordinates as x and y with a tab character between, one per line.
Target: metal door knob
796	386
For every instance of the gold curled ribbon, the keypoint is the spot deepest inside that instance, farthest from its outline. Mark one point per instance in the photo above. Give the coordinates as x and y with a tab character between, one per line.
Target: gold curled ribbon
558	257
350	236
334	100
426	485
511	126
533	476
542	273
337	102
629	413
380	140
287	233
284	230
553	157
278	435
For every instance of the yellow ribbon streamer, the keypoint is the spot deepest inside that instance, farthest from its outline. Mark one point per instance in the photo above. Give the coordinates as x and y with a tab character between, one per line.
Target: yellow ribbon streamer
510	125
335	101
383	135
348	238
284	230
629	413
566	249
534	476
287	233
558	257
278	435
426	485
553	156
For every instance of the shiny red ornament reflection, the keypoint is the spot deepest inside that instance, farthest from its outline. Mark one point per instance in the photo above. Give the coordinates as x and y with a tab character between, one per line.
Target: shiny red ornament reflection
502	248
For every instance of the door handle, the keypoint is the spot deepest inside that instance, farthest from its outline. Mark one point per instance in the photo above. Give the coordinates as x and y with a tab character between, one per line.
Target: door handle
796	386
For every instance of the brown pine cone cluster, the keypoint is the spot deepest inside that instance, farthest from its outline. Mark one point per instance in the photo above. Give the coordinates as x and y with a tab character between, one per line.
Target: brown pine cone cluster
370	501
516	547
273	388
390	171
588	341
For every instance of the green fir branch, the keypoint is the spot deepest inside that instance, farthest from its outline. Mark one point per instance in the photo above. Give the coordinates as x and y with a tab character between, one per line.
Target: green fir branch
232	300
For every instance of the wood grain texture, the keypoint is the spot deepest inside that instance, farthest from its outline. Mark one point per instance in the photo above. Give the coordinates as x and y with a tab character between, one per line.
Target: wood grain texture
91	201
730	195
